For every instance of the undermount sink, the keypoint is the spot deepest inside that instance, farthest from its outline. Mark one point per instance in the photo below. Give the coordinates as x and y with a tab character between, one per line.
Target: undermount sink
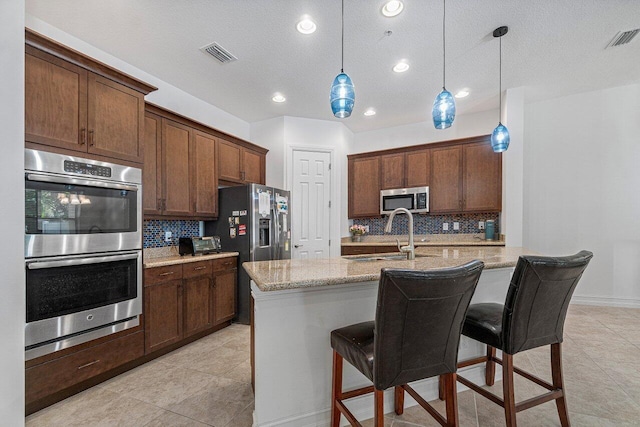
395	257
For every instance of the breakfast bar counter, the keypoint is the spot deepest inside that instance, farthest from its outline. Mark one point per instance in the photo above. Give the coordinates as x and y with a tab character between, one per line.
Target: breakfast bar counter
297	303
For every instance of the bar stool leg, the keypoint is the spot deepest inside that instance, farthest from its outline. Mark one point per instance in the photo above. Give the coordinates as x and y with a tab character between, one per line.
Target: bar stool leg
399	399
558	383
508	391
441	387
336	390
378	416
490	373
451	399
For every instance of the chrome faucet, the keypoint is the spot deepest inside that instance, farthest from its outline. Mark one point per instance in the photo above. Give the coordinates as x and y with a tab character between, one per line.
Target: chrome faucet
410	249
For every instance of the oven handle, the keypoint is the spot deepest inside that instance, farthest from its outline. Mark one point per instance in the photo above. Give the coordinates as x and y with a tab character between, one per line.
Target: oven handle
36	265
75	181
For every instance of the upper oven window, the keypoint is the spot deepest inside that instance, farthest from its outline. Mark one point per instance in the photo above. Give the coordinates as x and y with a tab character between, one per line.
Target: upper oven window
58	208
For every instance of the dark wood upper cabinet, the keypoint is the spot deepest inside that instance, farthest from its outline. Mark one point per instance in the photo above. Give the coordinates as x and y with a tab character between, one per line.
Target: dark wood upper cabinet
364	187
418	170
240	165
482	180
464	175
205	179
75	103
393	171
176	146
445	189
152	170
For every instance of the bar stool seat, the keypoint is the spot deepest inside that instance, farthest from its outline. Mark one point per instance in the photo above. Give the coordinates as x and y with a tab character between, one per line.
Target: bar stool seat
415	335
484	323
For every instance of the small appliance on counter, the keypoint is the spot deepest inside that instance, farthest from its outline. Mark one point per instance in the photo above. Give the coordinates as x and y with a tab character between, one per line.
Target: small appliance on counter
199	245
489	231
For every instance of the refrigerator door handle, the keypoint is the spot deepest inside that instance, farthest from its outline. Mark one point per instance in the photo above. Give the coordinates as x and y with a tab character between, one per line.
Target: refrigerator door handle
276	234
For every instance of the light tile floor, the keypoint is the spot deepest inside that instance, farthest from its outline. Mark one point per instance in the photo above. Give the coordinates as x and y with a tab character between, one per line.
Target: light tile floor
207	384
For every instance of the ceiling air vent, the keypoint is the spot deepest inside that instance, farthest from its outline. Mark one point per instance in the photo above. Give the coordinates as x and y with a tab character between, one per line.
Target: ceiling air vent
218	52
623	37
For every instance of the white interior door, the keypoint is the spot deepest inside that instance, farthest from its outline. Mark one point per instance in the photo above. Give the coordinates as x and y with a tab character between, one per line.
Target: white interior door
311	204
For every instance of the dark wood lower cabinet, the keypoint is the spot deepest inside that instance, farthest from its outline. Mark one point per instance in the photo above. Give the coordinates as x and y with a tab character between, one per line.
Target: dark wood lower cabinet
198	301
163	314
225	296
362	250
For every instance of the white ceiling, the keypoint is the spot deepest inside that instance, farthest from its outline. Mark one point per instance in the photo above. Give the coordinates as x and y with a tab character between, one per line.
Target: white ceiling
553	48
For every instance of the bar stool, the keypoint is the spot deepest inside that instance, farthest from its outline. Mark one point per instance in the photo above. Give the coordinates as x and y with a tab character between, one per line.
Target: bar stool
533	316
415	335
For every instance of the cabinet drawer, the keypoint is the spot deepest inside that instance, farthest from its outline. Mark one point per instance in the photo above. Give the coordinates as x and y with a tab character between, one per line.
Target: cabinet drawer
224	263
51	377
157	275
194	269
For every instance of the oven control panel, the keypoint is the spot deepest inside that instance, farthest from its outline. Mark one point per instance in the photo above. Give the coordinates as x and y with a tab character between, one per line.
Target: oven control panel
87	169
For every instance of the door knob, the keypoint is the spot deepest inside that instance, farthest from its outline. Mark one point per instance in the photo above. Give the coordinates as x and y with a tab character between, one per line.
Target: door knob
297	246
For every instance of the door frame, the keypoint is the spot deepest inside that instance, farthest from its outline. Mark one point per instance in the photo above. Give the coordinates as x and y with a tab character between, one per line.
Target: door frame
334	232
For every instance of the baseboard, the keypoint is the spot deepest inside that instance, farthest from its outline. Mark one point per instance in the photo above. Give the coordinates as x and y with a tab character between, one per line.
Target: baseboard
607	302
362	406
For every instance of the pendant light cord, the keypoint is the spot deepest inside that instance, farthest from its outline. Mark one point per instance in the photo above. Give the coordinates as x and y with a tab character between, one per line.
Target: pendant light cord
444	48
342	58
500	84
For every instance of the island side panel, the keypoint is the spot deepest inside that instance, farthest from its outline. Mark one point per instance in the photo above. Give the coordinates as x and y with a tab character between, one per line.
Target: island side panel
293	349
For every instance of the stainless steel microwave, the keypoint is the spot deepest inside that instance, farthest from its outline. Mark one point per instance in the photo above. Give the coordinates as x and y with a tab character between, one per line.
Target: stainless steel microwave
415	199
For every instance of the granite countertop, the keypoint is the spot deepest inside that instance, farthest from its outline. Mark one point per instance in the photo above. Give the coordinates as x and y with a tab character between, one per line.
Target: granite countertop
306	273
159	257
425	240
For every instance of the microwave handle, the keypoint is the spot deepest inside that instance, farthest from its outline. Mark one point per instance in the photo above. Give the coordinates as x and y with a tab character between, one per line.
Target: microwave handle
37	265
76	181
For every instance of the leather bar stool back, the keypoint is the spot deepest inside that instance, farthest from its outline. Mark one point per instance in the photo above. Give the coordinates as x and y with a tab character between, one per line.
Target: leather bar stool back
533	316
415	335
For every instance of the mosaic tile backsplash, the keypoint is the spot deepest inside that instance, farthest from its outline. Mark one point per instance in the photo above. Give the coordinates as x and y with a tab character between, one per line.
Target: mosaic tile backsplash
430	224
154	232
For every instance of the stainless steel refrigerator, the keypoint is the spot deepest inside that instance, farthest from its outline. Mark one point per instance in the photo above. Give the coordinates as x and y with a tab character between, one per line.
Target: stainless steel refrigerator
254	221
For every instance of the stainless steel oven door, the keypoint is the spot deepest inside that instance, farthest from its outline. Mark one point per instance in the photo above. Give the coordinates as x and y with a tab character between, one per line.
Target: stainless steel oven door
69	296
69	215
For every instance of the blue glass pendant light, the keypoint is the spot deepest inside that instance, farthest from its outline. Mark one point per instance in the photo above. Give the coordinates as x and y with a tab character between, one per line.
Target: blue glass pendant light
343	95
500	136
444	106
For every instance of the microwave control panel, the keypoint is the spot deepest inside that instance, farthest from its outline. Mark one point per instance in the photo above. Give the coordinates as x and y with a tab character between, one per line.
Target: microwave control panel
87	169
421	201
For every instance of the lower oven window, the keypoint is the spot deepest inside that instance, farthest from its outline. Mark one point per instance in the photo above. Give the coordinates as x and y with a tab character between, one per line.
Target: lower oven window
58	291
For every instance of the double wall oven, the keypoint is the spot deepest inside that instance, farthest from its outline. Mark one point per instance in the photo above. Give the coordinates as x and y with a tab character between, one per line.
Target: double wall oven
83	250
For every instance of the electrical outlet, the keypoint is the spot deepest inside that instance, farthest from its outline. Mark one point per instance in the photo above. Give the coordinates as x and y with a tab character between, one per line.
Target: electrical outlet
481	225
456	226
167	236
366	228
445	226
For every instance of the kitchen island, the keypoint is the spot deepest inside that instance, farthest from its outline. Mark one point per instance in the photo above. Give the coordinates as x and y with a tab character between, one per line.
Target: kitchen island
297	303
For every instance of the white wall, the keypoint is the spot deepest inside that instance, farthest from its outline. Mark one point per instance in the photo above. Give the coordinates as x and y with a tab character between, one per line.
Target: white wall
511	220
465	125
12	294
167	96
282	133
581	187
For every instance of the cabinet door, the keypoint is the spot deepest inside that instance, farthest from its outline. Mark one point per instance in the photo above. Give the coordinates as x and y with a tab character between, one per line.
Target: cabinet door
176	143
364	187
55	102
205	179
418	171
482	182
162	315
115	119
252	166
152	168
392	171
198	300
225	296
445	190
229	161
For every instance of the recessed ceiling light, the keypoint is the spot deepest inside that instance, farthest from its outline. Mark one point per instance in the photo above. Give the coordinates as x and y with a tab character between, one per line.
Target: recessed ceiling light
462	93
401	67
278	98
392	8
370	112
306	25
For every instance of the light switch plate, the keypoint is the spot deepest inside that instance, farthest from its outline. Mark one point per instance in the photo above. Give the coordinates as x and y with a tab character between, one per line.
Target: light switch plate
456	226
167	236
366	228
481	225
445	226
